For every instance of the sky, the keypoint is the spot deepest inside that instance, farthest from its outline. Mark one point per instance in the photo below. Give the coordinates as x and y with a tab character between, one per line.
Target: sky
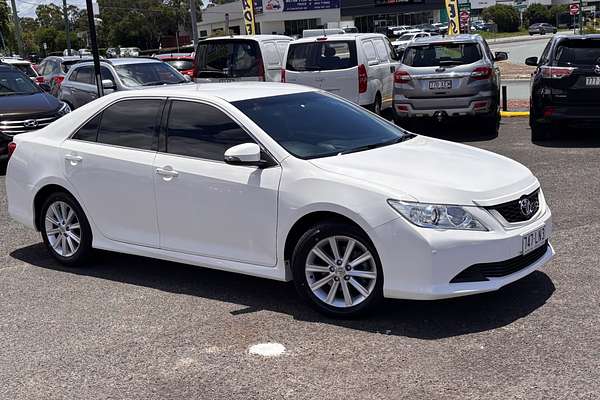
26	8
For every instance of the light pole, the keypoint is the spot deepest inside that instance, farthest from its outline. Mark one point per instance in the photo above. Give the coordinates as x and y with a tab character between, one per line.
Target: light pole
66	15
194	23
17	28
94	43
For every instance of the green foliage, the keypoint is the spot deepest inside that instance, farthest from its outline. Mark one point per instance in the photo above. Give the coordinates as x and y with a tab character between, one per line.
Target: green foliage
557	10
506	17
537	13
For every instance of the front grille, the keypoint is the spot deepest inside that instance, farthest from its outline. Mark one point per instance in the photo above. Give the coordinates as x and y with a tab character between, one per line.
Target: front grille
11	128
482	272
513	212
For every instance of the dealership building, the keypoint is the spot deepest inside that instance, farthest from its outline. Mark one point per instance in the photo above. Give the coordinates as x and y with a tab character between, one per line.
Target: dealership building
291	17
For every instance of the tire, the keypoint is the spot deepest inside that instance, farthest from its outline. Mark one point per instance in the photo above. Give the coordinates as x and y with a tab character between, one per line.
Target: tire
376	106
62	217
491	124
333	287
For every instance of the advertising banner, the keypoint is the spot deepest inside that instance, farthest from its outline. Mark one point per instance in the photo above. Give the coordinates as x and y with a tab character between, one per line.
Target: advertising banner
273	6
248	13
453	21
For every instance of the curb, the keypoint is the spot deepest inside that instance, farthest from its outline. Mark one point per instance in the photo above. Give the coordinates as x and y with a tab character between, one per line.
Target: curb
511	114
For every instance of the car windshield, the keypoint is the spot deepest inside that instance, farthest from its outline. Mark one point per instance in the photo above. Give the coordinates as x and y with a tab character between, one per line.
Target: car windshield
148	74
181	65
437	54
312	125
405	37
578	52
317	56
15	83
26	69
228	59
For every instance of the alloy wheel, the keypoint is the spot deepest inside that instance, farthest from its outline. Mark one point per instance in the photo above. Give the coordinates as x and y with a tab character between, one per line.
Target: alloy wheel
341	271
63	229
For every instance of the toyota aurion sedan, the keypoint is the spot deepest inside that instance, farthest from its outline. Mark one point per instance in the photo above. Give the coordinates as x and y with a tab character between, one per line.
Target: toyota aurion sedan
282	182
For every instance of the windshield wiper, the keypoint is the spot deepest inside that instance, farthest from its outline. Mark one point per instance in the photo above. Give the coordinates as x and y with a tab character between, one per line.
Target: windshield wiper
381	144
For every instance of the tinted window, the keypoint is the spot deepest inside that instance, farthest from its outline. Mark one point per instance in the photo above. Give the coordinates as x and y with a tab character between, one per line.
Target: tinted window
148	74
89	131
578	52
84	75
310	125
14	82
131	123
230	58
316	56
442	54
202	131
27	70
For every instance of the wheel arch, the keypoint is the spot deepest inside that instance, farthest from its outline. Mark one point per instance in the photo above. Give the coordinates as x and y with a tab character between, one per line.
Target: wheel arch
41	195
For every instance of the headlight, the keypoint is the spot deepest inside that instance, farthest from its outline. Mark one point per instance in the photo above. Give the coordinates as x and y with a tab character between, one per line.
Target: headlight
65	109
437	216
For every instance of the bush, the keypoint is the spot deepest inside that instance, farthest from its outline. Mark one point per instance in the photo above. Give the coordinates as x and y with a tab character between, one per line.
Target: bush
537	13
506	17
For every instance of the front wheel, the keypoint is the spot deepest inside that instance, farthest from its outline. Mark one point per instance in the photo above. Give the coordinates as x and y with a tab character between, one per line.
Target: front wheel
65	229
337	270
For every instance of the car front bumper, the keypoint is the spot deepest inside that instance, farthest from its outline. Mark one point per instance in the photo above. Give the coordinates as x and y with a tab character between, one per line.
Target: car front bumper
420	263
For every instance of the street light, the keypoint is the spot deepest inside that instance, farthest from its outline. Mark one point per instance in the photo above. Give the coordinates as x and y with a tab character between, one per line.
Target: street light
94	45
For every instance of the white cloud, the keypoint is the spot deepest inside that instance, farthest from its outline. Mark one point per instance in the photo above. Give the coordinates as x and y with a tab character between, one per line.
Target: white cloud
26	8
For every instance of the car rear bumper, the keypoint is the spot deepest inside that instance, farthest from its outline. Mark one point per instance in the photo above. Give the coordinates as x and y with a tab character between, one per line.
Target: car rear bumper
449	106
568	113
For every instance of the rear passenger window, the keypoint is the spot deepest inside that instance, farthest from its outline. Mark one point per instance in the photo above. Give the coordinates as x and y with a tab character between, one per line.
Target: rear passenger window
131	123
84	75
202	131
381	50
89	131
316	56
369	50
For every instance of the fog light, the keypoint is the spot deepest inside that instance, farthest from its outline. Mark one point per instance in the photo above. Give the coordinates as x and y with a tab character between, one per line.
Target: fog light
401	108
478	105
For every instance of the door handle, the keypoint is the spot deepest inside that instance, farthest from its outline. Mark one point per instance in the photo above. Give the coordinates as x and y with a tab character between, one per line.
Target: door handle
167	173
73	159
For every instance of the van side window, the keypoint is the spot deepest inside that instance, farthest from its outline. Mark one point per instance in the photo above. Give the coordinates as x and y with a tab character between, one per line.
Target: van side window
282	46
369	50
271	56
381	50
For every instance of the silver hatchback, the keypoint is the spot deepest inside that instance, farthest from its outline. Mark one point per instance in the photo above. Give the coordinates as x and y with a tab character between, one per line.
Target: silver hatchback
444	77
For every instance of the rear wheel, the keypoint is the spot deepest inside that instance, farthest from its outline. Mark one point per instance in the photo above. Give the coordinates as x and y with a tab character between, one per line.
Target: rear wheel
337	270
491	123
376	106
65	229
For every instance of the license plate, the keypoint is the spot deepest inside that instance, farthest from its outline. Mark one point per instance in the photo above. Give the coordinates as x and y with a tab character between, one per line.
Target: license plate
533	240
226	80
436	85
592	81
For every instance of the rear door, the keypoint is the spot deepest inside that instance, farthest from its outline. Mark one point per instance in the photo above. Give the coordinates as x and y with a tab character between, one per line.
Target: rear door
386	69
580	57
229	60
272	61
330	65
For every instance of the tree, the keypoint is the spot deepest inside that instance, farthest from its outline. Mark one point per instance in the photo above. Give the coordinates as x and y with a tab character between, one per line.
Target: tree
556	11
506	17
5	25
537	13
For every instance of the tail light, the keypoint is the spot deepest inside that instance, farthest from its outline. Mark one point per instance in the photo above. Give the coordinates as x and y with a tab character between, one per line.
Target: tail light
57	80
283	75
12	146
363	79
548	111
556	72
481	73
402	76
39	79
261	71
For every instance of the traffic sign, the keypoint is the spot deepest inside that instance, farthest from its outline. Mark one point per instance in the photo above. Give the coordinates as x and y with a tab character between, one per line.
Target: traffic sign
574	9
465	16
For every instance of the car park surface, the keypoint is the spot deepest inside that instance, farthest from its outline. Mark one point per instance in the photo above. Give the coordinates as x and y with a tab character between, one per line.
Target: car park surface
128	326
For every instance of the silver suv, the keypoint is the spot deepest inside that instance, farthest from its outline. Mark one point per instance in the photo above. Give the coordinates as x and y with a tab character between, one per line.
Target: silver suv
79	86
443	77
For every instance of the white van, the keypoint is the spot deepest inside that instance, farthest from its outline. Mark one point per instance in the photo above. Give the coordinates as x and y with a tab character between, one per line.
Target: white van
240	58
358	67
322	32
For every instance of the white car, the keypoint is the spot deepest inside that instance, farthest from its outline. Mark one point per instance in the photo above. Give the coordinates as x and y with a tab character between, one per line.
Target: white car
358	67
282	182
404	40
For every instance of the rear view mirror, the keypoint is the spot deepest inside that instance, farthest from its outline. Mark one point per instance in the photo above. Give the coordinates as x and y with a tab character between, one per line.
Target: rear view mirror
500	56
532	61
246	154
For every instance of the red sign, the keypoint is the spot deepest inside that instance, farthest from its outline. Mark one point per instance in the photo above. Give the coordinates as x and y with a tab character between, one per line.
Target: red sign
465	16
574	9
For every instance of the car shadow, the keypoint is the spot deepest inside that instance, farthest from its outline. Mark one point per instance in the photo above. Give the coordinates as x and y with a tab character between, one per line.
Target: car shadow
426	320
573	137
457	130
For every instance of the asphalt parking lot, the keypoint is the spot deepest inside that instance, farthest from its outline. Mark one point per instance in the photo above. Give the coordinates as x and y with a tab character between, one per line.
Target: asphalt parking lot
130	328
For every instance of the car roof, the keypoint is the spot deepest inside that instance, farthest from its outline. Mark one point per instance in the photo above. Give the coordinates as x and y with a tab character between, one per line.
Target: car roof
12	61
230	92
344	36
120	61
257	38
560	36
447	39
174	55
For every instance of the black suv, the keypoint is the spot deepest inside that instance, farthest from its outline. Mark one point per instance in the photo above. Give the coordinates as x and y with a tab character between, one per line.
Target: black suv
566	85
24	107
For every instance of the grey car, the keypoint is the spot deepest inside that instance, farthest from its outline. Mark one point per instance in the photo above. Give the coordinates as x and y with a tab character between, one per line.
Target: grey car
79	86
446	77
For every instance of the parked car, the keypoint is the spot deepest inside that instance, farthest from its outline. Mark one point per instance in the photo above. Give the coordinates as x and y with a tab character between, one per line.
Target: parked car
541	29
24	107
358	67
129	52
24	66
182	62
53	70
240	58
566	85
401	32
283	182
79	86
449	77
403	41
442	28
322	32
112	52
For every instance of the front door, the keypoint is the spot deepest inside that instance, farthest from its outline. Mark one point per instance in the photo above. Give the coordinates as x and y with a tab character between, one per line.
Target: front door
205	206
110	163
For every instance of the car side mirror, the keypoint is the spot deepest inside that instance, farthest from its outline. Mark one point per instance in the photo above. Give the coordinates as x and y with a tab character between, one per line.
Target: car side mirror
500	56
532	61
246	154
108	84
187	78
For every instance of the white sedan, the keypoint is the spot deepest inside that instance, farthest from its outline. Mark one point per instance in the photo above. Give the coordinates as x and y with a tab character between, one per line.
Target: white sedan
282	182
